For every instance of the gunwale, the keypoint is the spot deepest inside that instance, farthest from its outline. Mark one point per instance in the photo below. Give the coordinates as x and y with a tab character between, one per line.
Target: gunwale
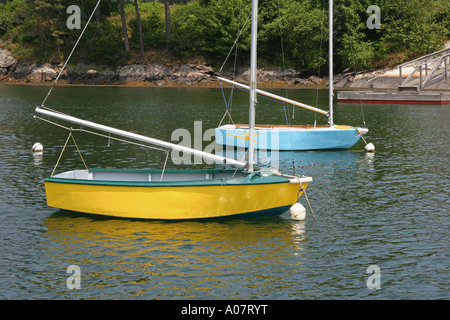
243	178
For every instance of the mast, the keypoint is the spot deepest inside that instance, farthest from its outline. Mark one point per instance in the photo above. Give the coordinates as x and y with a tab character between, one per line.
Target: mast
330	62
253	66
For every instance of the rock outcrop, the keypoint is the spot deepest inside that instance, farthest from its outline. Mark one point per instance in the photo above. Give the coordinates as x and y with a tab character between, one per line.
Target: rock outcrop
133	74
7	63
40	74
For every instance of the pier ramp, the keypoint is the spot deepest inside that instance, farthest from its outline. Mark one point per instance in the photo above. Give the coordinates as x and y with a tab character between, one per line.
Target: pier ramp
424	80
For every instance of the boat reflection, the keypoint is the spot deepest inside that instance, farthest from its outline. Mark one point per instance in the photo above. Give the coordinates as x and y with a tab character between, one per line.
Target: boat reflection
184	259
285	161
67	224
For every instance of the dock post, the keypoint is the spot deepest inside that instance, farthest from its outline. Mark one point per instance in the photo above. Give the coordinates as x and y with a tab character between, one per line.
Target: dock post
420	77
446	67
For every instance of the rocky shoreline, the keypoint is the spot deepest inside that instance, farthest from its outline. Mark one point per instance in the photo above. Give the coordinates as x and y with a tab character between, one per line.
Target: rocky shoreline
158	75
188	75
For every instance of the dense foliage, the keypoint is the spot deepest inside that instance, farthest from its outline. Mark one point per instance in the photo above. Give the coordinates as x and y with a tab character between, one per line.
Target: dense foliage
293	32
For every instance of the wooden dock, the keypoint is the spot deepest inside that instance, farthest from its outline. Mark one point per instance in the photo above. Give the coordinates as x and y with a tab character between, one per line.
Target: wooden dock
394	97
431	70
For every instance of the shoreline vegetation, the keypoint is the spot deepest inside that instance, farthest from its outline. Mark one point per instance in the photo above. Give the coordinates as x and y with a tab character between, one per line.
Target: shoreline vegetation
182	43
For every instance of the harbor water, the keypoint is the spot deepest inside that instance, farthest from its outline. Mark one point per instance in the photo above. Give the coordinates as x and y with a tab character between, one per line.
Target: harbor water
382	229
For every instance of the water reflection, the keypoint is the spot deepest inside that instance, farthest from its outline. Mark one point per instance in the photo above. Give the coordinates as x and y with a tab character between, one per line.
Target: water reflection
289	160
203	258
65	225
38	159
299	235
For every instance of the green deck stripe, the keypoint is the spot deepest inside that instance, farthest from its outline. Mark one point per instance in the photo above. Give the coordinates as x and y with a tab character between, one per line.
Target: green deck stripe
251	179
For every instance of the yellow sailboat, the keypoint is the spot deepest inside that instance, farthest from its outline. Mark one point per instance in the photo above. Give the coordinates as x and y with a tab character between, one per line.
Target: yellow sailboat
190	194
174	194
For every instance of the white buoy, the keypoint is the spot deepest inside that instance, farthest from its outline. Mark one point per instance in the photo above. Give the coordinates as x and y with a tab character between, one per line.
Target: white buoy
37	148
297	212
369	147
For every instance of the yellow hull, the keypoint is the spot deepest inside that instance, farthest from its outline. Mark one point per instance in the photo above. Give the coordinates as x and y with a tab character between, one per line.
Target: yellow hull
173	202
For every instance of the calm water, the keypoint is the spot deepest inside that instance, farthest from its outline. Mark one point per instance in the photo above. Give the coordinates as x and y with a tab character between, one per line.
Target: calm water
388	209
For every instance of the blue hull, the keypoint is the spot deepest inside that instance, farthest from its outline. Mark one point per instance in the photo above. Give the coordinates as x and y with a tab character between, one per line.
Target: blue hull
290	138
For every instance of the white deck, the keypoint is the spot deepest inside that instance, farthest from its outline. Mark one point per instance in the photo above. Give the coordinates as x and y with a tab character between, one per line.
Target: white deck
144	176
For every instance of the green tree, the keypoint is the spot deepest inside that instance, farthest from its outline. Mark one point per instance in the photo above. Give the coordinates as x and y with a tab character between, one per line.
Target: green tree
101	44
124	26
353	50
35	31
305	32
152	19
167	19
209	28
139	23
411	29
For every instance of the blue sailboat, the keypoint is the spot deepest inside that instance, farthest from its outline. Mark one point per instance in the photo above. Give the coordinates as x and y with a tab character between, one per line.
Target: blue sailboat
294	137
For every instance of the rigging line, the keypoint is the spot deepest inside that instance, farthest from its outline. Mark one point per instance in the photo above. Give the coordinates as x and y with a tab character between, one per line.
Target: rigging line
235	42
101	135
284	61
165	163
286	114
261	95
242	160
64	148
223	117
320	55
51	122
354	68
60	155
286	117
228	111
230	102
79	152
122	140
306	197
70	55
223	94
227	105
236	48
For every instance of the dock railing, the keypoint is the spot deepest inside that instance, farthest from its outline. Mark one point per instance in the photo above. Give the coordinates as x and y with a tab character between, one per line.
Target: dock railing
437	62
